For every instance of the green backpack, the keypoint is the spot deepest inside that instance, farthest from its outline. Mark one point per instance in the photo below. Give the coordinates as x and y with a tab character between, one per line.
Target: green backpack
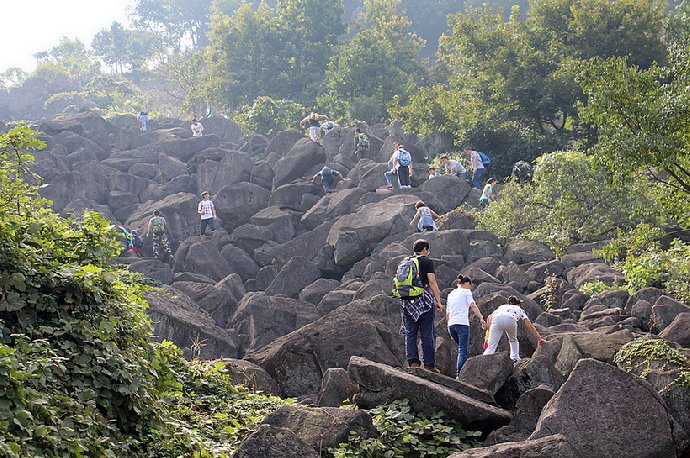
363	141
158	224
407	282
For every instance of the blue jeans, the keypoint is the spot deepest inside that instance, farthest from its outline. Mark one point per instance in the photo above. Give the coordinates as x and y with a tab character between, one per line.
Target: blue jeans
425	327
389	175
460	333
476	178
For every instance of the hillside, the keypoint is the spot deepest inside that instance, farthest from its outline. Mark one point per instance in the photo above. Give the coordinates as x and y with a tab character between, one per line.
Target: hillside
292	290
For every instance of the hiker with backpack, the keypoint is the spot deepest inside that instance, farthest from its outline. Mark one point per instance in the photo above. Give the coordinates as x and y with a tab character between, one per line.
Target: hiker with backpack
479	162
207	211
505	320
458	306
156	230
487	193
415	285
327	177
403	166
425	218
361	141
313	121
134	242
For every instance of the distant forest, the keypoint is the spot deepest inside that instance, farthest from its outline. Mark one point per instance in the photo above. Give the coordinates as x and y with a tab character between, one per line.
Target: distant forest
509	78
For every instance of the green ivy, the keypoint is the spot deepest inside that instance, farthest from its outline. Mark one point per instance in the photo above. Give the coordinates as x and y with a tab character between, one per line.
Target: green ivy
643	355
404	433
595	287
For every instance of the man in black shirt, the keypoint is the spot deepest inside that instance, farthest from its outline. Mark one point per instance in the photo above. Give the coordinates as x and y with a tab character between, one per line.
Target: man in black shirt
418	312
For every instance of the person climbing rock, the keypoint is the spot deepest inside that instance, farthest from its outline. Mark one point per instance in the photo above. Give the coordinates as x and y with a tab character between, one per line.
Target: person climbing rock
207	211
157	230
361	142
477	166
134	242
404	167
418	309
328	126
487	193
143	119
197	128
505	320
458	306
313	121
392	164
327	177
425	217
453	167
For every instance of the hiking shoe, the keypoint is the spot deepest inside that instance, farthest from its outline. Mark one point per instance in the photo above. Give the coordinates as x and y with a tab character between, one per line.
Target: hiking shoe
389	186
415	365
432	369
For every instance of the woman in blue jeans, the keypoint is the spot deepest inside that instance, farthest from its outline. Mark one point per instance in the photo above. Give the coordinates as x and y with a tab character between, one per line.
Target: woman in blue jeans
460	301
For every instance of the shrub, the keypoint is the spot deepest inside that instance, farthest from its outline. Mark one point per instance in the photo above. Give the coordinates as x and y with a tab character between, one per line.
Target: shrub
404	433
269	116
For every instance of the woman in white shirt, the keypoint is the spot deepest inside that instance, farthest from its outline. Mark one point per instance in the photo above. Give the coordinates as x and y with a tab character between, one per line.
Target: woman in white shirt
197	128
459	303
505	319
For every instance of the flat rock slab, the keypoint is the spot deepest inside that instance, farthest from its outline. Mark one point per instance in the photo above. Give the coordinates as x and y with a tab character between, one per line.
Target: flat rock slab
461	387
380	383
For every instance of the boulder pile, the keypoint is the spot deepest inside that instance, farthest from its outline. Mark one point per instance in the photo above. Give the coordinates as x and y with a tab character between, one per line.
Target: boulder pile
293	288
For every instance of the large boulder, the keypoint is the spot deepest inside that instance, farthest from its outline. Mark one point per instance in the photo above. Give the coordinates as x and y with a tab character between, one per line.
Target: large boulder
524	251
283	141
296	275
336	387
179	211
379	383
245	373
271	442
235	167
201	257
551	446
589	408
594	271
298	162
332	206
527	412
664	311
369	328
449	189
260	319
179	319
353	236
488	372
679	330
218	301
225	129
322	428
236	204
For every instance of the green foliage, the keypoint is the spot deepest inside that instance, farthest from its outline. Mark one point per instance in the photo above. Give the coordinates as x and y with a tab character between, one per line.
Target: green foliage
79	375
378	63
124	49
268	117
643	355
570	200
645	263
643	119
404	433
174	20
595	287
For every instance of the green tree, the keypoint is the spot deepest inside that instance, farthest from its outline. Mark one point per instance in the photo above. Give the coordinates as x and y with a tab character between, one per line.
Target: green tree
72	56
122	49
376	65
175	21
571	200
268	116
12	77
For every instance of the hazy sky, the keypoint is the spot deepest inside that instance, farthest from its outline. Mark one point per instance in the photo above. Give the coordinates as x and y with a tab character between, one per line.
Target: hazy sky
31	26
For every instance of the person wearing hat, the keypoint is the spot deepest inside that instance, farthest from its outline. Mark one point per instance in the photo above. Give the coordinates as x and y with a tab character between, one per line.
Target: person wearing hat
505	319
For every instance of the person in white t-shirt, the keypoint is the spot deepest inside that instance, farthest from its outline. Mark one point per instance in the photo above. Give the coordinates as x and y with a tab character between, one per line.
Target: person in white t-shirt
197	128
459	303
477	166
505	319
208	213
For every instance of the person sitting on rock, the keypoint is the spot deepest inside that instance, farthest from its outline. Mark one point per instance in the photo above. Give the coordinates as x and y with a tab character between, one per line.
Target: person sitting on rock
418	312
156	230
313	121
433	173
424	217
197	128
505	319
458	306
207	211
327	176
487	193
391	167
